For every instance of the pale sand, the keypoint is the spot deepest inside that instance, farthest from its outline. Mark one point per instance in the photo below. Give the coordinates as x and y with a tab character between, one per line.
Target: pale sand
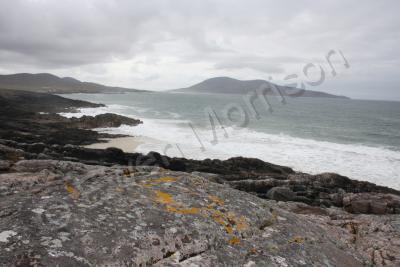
127	144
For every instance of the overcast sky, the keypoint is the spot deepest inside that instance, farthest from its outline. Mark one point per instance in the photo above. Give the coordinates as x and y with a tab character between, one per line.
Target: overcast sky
160	44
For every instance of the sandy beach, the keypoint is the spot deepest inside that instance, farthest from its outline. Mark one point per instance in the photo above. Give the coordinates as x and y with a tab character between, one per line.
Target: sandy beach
127	144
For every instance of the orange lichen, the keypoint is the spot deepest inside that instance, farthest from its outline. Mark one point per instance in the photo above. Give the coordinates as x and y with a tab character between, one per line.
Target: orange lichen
218	217
234	241
253	251
216	200
166	179
240	223
164	198
172	206
231	223
229	229
183	211
72	191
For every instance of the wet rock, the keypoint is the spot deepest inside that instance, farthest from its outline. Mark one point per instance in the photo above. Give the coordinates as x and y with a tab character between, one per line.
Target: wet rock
102	121
237	168
372	203
22	121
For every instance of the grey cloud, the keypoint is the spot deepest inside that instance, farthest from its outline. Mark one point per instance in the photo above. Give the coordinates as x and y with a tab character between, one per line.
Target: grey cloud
255	65
238	38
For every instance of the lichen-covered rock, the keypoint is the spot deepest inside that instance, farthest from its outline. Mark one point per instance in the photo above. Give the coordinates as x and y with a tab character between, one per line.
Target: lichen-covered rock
376	238
261	178
70	214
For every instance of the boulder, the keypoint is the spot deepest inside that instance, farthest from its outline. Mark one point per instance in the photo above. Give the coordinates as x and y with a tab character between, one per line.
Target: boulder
281	194
372	203
102	121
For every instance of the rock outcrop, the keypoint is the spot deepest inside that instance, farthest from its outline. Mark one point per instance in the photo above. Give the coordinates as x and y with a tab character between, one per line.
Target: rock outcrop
28	117
65	205
327	189
106	120
70	214
254	176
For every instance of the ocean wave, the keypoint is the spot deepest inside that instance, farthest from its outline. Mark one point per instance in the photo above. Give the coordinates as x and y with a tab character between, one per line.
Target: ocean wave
374	164
175	137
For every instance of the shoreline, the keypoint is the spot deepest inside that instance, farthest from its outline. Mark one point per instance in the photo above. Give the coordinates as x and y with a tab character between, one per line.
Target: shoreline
48	178
127	144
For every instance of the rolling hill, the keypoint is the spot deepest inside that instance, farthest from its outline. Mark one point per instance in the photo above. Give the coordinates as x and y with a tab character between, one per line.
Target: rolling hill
49	83
226	85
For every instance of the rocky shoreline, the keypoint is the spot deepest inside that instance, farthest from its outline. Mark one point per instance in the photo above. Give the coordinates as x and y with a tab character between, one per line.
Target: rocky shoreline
62	204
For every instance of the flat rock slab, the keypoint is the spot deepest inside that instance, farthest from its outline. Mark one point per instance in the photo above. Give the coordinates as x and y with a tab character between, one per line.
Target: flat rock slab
70	214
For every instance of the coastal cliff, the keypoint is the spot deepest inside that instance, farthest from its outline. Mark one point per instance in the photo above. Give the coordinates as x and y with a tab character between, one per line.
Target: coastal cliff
62	204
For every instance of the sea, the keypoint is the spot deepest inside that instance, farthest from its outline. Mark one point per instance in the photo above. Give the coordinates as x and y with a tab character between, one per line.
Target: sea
355	138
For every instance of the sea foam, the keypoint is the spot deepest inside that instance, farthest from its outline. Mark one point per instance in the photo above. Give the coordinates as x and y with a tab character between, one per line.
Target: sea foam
175	137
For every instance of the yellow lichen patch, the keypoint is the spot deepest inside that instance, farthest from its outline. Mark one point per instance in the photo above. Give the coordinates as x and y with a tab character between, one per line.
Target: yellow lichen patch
240	223
172	206
230	221
231	217
218	217
234	241
183	211
297	240
209	208
229	229
72	191
164	198
216	200
253	251
166	179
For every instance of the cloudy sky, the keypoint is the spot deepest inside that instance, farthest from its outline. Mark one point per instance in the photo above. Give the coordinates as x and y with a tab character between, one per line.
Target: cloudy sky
161	44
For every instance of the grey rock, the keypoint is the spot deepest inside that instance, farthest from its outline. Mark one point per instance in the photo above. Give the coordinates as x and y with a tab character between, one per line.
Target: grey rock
281	194
102	121
10	153
4	165
372	203
71	214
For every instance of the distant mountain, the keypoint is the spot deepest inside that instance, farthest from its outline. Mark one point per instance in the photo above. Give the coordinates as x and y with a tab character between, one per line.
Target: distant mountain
49	83
226	85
